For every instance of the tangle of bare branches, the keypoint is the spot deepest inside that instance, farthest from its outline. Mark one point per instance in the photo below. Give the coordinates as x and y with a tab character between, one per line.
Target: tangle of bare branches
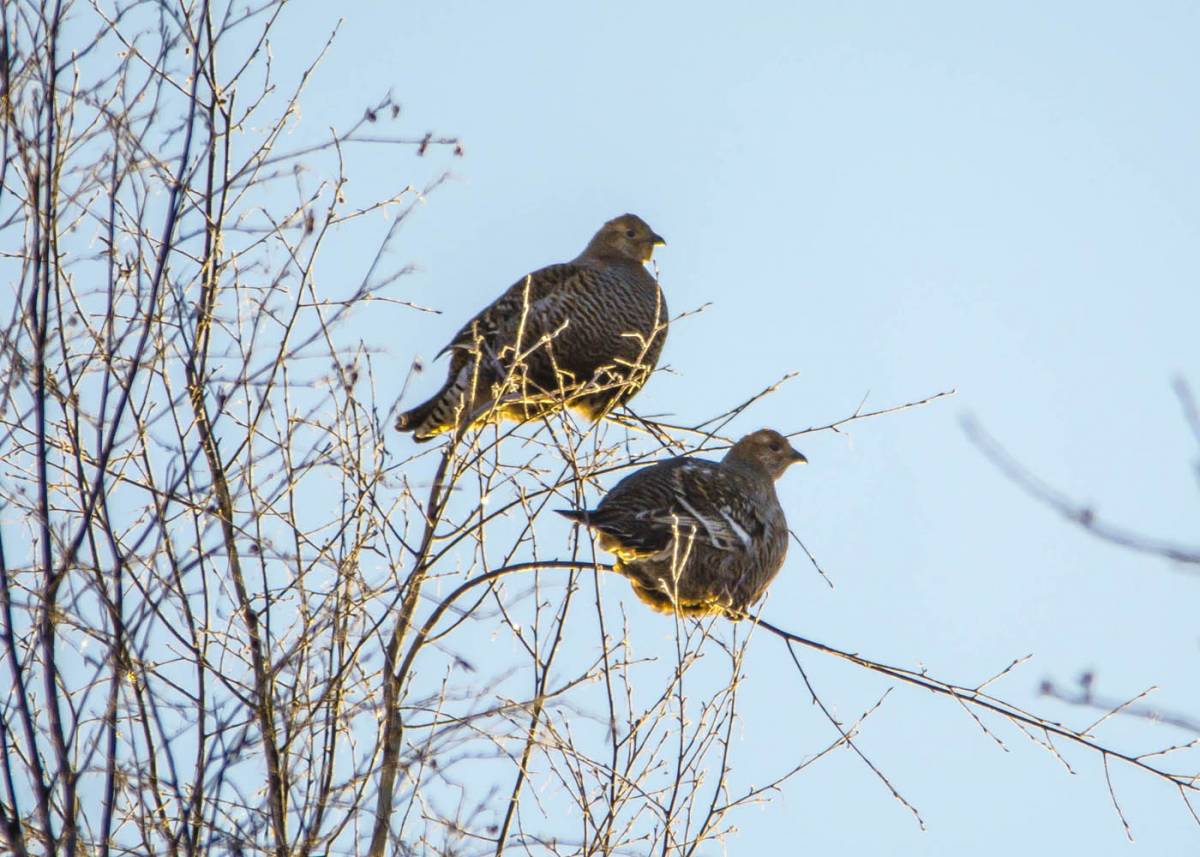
240	616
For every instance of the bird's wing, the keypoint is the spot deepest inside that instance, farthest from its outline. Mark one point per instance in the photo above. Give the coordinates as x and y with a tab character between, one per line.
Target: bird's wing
533	297
689	498
715	502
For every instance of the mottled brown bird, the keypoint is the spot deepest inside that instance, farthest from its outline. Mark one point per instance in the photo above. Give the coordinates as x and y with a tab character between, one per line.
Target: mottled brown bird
585	334
698	536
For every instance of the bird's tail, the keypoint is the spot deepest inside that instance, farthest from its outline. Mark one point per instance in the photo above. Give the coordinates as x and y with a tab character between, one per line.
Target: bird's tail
439	414
579	516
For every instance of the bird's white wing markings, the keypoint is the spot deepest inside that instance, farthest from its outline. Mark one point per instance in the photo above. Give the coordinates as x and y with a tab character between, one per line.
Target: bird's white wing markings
719	536
739	531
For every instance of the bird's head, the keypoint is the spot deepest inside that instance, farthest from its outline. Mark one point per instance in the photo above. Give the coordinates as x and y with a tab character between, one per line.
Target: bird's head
765	449
625	237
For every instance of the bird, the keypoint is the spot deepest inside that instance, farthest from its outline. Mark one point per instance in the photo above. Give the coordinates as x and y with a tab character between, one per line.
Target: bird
699	537
584	334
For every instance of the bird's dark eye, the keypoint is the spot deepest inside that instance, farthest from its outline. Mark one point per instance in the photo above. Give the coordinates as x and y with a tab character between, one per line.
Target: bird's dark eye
628	233
774	447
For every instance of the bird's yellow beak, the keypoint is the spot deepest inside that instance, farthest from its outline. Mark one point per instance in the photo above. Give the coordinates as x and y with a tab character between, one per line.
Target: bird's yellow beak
798	457
657	239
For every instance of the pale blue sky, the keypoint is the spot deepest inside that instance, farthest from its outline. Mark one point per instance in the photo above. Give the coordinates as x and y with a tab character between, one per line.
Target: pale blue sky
889	198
